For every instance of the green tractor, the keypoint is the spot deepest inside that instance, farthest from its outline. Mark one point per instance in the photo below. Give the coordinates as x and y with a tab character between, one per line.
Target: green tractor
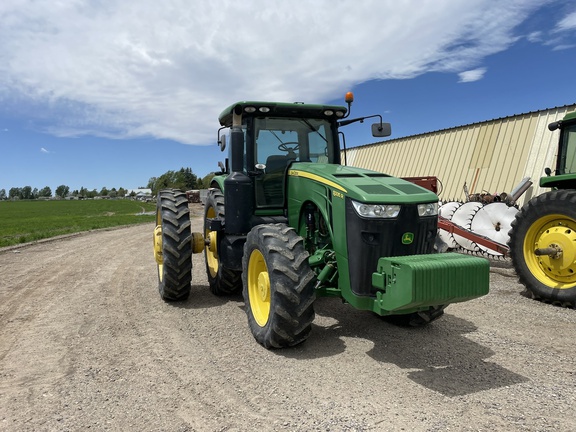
286	222
543	235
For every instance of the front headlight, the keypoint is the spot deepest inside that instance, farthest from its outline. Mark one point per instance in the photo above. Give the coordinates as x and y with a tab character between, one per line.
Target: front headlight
376	210
430	209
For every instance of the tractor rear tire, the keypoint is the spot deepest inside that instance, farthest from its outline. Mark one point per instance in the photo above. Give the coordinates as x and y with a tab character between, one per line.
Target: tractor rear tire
278	286
417	319
175	271
548	220
223	281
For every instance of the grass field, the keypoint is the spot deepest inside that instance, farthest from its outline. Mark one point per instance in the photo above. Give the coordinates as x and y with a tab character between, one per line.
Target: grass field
26	221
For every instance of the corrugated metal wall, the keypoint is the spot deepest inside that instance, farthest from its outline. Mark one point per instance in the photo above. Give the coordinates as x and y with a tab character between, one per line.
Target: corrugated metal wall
492	156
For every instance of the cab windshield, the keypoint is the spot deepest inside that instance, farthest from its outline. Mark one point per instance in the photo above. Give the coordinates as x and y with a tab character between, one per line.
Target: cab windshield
567	163
281	141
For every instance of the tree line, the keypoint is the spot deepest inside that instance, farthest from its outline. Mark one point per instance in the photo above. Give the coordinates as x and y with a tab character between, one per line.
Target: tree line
62	191
183	179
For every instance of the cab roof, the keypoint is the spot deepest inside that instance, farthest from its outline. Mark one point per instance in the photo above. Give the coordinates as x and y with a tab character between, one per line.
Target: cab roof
570	116
282	109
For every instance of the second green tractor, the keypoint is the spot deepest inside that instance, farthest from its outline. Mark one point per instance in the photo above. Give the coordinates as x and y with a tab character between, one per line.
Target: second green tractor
543	235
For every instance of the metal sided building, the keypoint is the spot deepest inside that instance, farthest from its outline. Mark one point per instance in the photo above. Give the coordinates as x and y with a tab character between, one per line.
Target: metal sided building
491	156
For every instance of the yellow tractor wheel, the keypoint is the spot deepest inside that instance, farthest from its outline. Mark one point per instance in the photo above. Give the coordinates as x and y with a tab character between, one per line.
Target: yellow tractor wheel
222	280
278	286
543	247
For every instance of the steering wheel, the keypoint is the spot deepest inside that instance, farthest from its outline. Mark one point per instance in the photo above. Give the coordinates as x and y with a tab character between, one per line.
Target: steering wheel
285	146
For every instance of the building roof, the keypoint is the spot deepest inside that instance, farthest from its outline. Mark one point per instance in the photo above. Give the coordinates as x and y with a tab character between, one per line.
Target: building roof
465	125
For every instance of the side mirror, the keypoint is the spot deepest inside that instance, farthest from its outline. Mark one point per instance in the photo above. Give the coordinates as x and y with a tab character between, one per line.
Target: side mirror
222	143
380	130
554	125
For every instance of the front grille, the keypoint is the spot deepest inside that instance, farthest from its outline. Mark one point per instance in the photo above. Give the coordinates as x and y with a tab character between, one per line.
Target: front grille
370	239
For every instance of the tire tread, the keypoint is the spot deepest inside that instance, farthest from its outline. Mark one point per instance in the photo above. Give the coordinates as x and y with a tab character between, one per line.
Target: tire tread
176	245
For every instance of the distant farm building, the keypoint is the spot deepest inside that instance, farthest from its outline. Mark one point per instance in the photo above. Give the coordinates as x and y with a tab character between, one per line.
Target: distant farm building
491	156
140	194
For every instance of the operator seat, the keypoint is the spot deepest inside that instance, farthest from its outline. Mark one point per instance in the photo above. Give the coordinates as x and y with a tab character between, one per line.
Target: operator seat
277	163
273	180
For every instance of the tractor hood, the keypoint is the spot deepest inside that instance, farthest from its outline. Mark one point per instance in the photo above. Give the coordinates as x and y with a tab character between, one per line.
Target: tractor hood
363	185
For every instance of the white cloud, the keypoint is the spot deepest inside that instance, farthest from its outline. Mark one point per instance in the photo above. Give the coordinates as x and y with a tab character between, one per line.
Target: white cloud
472	75
167	69
560	37
567	23
535	37
562	47
43	150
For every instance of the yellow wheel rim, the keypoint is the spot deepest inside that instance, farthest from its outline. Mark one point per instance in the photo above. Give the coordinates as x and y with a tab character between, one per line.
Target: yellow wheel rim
158	257
160	272
553	230
259	288
158	245
210	251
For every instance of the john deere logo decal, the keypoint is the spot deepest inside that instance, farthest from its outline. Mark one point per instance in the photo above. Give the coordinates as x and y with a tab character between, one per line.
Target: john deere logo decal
407	238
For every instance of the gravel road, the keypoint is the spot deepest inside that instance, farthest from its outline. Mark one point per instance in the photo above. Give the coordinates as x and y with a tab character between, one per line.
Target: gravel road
86	343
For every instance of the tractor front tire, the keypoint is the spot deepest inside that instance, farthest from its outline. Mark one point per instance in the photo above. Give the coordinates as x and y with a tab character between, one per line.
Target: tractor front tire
278	286
222	280
546	221
173	245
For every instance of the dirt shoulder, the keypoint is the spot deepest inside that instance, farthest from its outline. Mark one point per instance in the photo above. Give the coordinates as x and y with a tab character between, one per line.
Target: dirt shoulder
87	343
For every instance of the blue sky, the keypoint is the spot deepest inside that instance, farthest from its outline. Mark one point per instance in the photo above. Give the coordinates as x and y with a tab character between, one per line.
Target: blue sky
108	94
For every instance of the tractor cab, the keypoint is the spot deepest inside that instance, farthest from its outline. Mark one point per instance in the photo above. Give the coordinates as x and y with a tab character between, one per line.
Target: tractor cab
567	151
274	136
565	175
